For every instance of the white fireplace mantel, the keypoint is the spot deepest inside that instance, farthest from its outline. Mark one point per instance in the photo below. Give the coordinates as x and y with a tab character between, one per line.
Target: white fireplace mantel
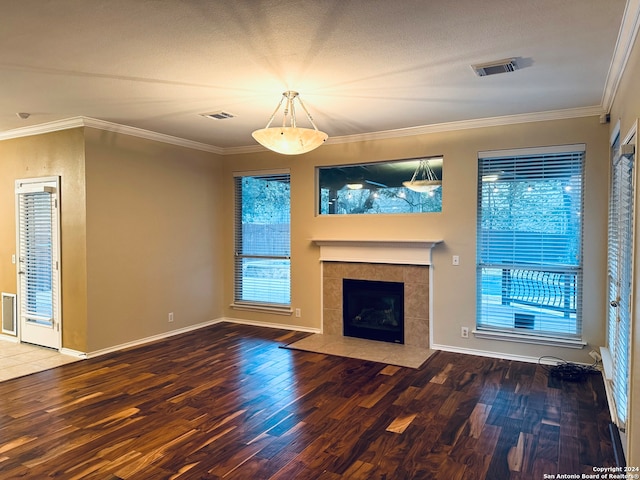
402	252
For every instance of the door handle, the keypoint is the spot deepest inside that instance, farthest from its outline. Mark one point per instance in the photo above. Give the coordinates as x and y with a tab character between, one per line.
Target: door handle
614	303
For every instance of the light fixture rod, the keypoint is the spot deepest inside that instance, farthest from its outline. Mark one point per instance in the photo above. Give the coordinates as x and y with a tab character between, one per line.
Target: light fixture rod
308	114
425	169
273	115
290	109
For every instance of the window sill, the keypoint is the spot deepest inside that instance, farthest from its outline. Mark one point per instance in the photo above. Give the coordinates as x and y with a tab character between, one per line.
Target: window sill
529	338
276	309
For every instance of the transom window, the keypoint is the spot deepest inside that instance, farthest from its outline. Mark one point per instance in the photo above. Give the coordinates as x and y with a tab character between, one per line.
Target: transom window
529	241
380	188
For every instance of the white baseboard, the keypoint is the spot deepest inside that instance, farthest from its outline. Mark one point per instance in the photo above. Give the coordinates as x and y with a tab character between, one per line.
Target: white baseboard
280	326
73	353
191	328
150	339
484	353
9	338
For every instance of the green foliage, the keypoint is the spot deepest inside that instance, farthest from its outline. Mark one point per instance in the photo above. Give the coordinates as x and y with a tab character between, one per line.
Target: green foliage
265	200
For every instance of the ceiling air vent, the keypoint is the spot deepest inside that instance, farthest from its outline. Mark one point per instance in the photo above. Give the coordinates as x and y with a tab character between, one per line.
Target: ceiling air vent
495	67
218	115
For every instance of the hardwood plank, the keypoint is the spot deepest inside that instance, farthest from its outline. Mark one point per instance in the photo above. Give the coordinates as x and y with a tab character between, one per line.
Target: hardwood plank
477	419
400	424
228	402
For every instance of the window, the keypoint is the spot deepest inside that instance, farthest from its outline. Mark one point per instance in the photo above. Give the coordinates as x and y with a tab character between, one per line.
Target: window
529	241
262	240
371	188
37	255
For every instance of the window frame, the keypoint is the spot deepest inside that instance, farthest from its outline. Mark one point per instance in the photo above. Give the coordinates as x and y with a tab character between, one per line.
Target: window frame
239	302
370	194
485	327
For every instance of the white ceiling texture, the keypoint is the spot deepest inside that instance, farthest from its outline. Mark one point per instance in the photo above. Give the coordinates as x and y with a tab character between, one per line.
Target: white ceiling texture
364	68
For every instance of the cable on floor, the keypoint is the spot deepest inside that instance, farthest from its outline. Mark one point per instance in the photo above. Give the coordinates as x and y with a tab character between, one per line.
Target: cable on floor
563	370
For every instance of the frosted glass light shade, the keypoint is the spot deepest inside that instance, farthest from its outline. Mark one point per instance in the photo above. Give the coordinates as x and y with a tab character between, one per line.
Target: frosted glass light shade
290	140
424	179
422	185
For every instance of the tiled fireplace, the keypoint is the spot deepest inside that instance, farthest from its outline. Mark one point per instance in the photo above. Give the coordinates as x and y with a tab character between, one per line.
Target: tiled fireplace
406	262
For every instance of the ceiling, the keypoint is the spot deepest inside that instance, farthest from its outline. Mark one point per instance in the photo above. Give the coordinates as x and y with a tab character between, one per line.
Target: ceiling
362	67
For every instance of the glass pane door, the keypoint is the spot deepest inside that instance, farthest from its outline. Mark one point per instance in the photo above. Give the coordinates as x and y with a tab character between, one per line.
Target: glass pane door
619	279
38	261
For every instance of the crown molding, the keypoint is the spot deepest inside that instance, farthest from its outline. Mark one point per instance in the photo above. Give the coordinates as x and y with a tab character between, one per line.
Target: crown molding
564	114
382	135
626	39
39	129
476	123
149	135
77	122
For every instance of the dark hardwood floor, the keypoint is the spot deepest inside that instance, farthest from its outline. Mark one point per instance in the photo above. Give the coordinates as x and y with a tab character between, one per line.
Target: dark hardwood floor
227	402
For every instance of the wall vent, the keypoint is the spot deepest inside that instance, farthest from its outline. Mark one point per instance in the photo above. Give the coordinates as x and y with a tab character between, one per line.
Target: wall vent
218	115
495	67
9	313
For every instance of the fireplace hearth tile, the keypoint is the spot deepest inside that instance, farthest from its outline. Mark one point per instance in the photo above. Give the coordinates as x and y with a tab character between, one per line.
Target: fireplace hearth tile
390	353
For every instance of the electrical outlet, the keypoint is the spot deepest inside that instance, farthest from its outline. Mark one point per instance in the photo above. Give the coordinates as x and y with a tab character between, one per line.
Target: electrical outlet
464	332
595	355
455	260
170	316
298	312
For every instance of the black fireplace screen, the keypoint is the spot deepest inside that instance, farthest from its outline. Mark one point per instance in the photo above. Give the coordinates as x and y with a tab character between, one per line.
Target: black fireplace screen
373	310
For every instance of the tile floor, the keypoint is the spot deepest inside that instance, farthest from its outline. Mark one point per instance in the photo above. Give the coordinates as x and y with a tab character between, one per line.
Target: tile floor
383	352
18	359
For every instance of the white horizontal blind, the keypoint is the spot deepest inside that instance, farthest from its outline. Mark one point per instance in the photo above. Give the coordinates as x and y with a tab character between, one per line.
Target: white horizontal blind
529	243
619	272
262	239
37	256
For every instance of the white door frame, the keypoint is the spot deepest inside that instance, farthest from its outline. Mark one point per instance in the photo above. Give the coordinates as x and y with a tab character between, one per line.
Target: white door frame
45	335
611	370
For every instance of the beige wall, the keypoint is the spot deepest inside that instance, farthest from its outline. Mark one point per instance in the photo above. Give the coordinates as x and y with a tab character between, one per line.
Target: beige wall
145	239
625	111
154	241
454	287
61	154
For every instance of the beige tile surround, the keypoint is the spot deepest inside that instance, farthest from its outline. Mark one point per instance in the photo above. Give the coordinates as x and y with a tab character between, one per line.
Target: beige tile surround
416	295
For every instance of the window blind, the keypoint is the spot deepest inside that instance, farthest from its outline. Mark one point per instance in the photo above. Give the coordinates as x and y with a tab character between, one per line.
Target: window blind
619	279
529	243
37	256
262	239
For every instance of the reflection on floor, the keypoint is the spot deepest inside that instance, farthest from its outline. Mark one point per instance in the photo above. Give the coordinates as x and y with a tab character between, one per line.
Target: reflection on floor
18	359
383	352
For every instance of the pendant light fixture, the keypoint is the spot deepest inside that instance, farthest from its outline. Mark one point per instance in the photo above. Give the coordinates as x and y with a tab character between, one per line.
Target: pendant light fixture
290	140
423	180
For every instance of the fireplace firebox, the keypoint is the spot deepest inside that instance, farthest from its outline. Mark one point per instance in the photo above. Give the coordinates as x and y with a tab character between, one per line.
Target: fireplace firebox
373	310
